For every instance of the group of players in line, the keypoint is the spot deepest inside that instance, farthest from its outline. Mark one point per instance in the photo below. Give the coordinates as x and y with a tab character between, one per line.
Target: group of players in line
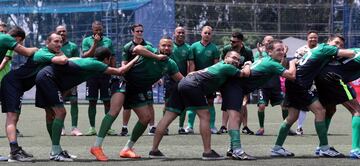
189	85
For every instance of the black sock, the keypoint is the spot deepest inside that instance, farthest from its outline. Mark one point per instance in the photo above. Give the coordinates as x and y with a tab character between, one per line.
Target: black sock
14	146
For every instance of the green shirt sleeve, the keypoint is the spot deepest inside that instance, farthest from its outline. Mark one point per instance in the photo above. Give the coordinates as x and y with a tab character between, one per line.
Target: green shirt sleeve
43	56
10	53
7	42
86	44
330	50
173	68
277	68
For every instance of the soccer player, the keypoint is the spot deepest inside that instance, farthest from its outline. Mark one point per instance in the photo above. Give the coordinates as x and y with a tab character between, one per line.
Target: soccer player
246	54
102	82
137	31
270	91
139	78
191	92
300	95
205	53
312	41
181	55
54	80
262	70
70	49
18	81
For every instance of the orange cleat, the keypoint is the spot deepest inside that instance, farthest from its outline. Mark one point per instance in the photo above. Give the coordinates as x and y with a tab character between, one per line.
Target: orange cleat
98	153
128	153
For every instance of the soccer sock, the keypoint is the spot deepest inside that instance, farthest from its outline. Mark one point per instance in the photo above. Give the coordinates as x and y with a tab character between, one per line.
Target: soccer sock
182	119
49	128
322	133
74	111
137	131
283	132
106	125
235	142
212	116
56	149
327	123
92	114
285	113
56	131
355	124
13	146
301	119
191	118
261	116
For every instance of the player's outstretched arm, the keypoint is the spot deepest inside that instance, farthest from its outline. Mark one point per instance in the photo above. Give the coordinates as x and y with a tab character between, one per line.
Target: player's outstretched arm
177	76
291	72
141	50
4	62
60	59
123	69
191	66
245	71
20	49
346	53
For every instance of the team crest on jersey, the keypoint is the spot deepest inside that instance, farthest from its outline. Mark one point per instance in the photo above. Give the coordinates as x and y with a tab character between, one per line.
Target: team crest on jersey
208	53
183	53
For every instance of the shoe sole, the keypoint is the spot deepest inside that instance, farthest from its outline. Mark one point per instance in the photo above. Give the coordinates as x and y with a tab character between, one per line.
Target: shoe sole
212	158
280	155
13	161
156	157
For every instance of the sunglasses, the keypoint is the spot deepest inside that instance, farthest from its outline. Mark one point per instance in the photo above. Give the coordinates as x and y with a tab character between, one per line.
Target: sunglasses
234	41
139	31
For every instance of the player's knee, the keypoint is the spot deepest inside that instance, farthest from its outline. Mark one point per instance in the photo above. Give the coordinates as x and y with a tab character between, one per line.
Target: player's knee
261	107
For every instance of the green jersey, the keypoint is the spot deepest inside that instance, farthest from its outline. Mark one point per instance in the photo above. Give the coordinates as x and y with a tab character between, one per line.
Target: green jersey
262	70
312	62
245	53
35	63
203	56
70	49
147	71
213	77
181	54
104	42
6	68
128	48
7	42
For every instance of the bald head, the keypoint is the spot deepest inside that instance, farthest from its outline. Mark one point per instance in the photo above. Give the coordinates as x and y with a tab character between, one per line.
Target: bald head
179	35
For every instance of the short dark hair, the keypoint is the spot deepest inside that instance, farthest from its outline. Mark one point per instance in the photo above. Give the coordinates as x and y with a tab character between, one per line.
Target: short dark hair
333	36
96	23
166	37
2	24
272	43
134	26
17	32
101	53
311	31
49	35
238	35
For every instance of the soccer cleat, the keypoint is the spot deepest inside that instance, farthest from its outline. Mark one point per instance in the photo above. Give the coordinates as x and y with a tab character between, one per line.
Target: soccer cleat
212	156
91	131
355	154
3	158
18	133
76	132
292	133
182	131
222	130
156	155
281	153
98	153
229	153
63	132
246	130
214	130
331	152
20	155
62	156
129	153
189	130
152	131
299	131
124	131
241	155
111	132
260	132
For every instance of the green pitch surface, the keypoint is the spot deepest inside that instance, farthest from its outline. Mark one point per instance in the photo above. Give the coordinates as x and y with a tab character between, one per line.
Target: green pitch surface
184	150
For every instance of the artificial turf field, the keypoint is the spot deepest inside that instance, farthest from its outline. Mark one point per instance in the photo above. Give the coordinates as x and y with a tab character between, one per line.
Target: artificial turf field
184	150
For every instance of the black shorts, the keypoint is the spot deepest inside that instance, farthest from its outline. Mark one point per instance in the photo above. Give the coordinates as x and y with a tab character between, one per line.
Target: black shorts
47	92
191	94
274	95
94	84
118	85
12	90
169	86
333	91
175	102
135	99
298	96
232	95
